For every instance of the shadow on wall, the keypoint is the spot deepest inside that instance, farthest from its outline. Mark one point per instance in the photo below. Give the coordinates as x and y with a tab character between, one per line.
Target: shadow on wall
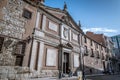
89	71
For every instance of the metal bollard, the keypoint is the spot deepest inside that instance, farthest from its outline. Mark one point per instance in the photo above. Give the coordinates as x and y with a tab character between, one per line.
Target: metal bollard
80	78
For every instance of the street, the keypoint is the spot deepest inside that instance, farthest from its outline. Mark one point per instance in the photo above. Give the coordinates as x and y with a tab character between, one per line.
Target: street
97	77
104	77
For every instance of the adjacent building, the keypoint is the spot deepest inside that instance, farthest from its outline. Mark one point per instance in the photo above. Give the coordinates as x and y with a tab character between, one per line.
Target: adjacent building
104	46
116	41
116	51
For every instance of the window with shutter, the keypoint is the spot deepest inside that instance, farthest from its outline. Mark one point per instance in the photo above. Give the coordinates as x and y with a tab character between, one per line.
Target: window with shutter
19	60
20	49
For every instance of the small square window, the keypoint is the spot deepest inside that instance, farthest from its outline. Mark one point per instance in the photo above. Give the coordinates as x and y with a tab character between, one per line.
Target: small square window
27	14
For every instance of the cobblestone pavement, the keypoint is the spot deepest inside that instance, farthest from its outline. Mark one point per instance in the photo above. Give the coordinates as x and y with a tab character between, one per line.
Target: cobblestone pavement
104	77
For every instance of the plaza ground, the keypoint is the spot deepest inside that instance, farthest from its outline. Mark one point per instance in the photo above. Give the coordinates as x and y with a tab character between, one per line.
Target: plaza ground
104	77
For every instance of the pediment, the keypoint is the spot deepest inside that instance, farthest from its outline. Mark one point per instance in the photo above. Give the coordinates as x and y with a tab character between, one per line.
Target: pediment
63	16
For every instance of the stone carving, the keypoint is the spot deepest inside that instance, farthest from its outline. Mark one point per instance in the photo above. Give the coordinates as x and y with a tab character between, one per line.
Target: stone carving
65	32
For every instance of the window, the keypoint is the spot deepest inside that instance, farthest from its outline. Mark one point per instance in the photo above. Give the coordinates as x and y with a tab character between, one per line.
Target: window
101	48
27	14
1	43
92	54
86	49
103	57
98	56
20	49
19	60
91	43
85	40
96	45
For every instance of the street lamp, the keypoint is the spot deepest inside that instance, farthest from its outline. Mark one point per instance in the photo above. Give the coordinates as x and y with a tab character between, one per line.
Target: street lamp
82	60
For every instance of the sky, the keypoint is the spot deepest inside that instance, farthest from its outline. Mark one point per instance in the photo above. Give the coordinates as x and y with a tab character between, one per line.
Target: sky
98	16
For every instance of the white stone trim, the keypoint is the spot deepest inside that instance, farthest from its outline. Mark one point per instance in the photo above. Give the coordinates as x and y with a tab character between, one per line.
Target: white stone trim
33	55
53	26
41	53
75	36
44	23
37	20
76	60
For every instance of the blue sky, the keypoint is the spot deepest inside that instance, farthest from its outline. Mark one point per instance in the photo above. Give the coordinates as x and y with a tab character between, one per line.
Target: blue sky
99	16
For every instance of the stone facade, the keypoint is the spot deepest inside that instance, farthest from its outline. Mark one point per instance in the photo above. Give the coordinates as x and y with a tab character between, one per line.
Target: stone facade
105	50
44	41
11	28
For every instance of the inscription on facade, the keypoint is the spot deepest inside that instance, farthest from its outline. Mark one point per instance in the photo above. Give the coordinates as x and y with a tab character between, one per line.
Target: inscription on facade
75	36
53	26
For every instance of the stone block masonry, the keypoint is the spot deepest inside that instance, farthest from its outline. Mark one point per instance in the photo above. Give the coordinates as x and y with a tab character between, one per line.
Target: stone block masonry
13	23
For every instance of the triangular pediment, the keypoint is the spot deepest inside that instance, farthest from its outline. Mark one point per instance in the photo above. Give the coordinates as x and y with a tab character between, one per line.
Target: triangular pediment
63	16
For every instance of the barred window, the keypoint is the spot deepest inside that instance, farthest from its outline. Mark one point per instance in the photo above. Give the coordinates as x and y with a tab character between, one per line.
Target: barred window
19	60
20	49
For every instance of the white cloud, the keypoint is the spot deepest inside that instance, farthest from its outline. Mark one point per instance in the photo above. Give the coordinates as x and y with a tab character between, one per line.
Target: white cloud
100	30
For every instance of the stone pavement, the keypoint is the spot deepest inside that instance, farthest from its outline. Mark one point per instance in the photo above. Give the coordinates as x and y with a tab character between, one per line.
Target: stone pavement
54	78
103	77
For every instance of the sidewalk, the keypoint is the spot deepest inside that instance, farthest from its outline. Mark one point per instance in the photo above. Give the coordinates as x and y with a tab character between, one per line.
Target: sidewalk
95	75
54	78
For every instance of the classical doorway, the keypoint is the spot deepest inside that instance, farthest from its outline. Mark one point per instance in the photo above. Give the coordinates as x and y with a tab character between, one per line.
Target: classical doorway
66	63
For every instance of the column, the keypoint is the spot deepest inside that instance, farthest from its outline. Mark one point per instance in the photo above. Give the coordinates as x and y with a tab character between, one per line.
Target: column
41	53
37	20
44	23
33	55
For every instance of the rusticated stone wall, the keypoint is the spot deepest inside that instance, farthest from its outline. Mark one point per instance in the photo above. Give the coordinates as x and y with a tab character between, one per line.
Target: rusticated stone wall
11	28
12	23
8	49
